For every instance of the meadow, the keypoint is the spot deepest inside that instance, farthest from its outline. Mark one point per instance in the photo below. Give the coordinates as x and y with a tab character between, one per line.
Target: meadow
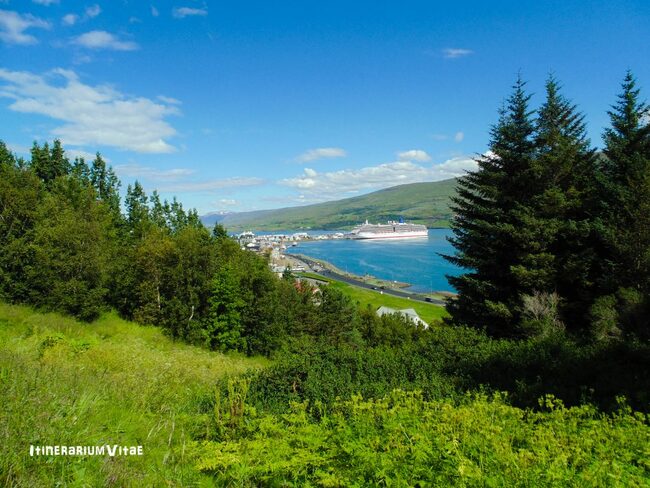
108	382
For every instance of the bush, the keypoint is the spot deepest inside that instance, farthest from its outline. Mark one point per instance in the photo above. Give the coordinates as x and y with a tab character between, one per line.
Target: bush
404	440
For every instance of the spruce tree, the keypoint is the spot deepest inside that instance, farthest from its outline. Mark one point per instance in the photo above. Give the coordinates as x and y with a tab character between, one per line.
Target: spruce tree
565	206
486	230
626	197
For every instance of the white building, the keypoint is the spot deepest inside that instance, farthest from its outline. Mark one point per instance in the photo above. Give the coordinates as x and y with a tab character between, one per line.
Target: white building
406	312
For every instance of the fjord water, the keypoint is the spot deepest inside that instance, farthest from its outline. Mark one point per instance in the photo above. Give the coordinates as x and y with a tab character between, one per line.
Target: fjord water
415	261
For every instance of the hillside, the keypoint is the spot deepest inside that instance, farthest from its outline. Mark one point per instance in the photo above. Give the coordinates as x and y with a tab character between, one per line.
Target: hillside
109	382
424	203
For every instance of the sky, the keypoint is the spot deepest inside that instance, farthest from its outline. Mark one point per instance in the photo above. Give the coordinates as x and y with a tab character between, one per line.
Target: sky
245	105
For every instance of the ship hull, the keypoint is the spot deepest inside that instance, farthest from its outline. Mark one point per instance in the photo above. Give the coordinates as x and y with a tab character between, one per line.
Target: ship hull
392	235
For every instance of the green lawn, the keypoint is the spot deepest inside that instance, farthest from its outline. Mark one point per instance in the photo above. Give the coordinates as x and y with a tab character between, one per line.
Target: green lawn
430	313
109	382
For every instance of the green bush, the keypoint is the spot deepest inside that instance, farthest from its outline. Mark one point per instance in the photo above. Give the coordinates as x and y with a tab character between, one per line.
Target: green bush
403	440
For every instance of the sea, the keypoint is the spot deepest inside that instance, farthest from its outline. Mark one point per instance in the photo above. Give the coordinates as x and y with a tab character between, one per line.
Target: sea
414	261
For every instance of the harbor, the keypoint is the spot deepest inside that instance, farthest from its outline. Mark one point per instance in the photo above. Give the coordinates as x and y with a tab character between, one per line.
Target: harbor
410	265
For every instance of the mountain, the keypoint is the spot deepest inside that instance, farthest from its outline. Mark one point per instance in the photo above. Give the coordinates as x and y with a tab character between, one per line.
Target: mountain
424	203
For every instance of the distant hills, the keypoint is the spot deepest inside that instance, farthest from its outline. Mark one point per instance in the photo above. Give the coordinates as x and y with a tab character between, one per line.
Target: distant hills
423	203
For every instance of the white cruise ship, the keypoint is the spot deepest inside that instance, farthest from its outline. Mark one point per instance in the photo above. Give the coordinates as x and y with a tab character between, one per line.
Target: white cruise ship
391	230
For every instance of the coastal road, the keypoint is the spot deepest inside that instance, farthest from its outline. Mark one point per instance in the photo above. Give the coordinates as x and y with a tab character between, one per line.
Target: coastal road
326	273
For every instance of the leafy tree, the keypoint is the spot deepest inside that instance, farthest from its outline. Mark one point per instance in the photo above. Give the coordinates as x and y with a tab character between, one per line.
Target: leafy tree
71	246
224	327
20	195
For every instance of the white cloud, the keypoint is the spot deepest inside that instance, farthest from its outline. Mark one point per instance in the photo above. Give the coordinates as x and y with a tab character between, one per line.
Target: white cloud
182	12
455	52
92	115
18	148
169	100
72	153
93	11
154	11
13	26
70	19
212	185
459	136
338	184
230	202
414	155
153	174
321	153
103	40
47	3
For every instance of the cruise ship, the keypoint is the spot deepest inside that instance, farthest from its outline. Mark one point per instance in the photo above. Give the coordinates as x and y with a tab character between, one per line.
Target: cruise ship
391	230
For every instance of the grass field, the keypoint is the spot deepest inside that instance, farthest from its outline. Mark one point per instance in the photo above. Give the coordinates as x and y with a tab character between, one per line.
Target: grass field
109	382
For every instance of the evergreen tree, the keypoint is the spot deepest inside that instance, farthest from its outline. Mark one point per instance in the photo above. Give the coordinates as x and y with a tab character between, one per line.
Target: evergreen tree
219	232
49	164
137	211
626	197
7	159
565	206
487	237
106	184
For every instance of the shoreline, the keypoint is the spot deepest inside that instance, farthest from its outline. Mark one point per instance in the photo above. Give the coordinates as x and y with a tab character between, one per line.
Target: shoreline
369	280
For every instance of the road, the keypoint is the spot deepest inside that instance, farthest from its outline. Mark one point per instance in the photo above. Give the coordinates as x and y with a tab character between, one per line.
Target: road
326	273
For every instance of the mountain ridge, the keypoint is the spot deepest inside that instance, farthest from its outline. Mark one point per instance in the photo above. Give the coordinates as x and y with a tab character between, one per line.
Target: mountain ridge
424	203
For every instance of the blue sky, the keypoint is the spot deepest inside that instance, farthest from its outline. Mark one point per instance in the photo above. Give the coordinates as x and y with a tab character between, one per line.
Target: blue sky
248	105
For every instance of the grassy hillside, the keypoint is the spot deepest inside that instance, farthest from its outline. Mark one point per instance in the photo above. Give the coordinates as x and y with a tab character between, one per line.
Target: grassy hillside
110	382
425	203
64	382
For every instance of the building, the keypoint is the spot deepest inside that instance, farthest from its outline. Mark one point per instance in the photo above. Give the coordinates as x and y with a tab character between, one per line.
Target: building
406	312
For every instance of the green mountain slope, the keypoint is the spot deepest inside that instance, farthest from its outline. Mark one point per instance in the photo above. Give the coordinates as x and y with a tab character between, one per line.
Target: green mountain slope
424	203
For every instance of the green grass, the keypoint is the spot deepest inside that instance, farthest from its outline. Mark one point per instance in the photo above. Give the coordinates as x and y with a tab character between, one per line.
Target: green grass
109	382
430	313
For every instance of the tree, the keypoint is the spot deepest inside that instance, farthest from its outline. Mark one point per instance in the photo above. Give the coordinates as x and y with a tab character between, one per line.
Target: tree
219	232
489	208
137	211
626	197
565	206
106	184
7	158
71	247
49	164
224	328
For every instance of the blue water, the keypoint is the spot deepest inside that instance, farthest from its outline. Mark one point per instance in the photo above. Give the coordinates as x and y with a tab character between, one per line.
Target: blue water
414	261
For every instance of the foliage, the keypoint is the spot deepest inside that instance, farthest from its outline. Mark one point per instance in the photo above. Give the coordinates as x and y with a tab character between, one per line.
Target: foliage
543	215
489	225
403	440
